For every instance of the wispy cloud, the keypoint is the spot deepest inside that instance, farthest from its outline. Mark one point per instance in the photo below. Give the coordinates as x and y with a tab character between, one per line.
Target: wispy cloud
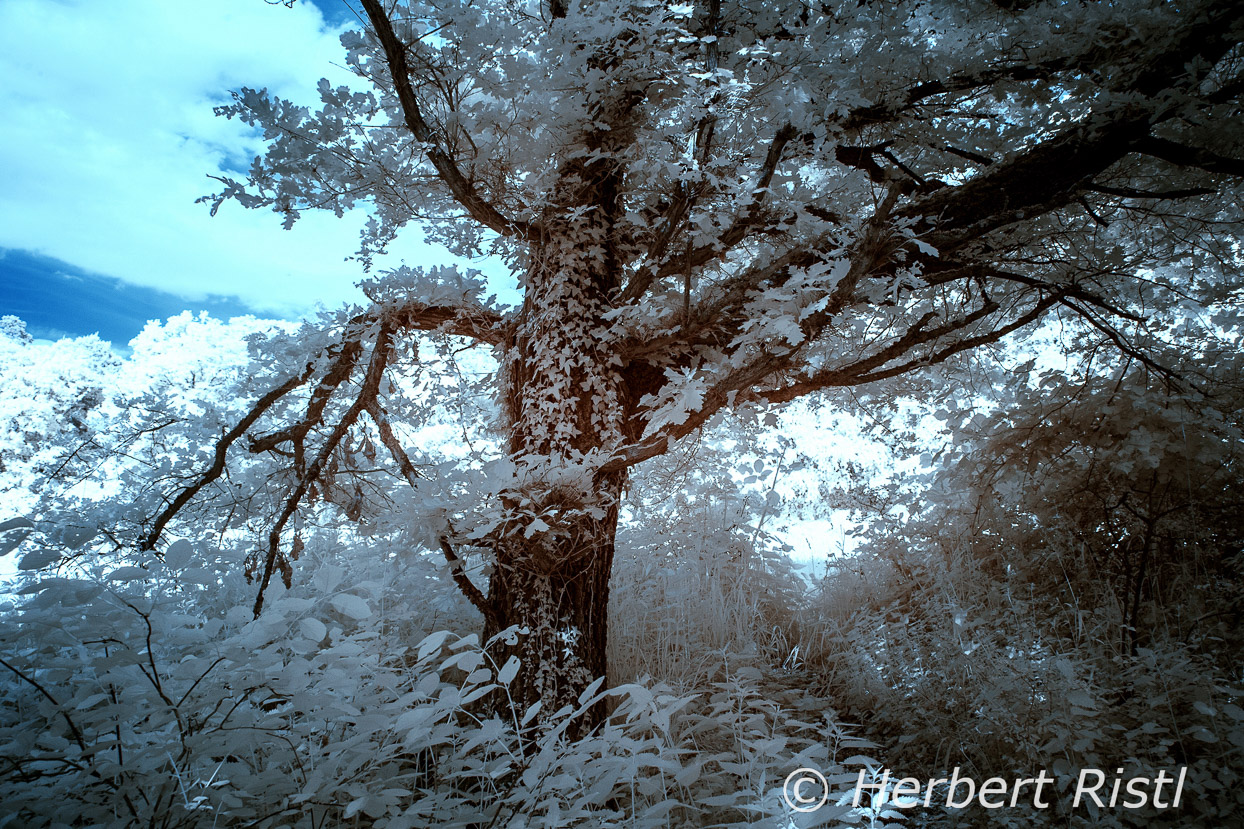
109	136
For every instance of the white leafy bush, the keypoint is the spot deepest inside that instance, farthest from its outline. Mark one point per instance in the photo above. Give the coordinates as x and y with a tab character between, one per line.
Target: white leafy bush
1061	593
145	700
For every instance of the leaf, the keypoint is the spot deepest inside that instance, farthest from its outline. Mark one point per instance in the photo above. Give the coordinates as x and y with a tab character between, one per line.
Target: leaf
508	671
591	689
475	694
128	574
13	539
15	530
432	643
327	578
823	815
351	605
312	629
178	554
464	661
355	806
38	559
197	575
75	537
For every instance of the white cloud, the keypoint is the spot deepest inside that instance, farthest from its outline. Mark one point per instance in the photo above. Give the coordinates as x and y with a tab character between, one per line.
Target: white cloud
109	135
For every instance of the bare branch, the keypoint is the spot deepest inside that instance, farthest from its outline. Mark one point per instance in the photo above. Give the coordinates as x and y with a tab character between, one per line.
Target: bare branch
1070	289
371	385
218	463
1116	337
465	584
73	728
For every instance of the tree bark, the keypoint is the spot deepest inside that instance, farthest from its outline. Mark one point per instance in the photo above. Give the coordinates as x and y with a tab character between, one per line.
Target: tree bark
556	591
567	406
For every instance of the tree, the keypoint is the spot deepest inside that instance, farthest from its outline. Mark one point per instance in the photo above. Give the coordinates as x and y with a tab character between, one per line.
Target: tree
47	398
719	206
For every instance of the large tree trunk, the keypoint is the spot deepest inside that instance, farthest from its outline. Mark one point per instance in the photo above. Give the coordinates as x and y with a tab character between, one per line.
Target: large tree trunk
555	588
568	407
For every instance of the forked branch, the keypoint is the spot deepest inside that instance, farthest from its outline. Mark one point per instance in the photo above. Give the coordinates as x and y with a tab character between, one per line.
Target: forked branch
218	462
371	386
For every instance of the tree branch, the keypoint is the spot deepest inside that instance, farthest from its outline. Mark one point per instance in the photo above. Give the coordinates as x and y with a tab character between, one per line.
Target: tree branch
390	441
1133	193
337	374
218	463
852	375
1183	155
468	587
371	385
462	189
73	728
472	321
1123	345
1045	178
660	266
411	474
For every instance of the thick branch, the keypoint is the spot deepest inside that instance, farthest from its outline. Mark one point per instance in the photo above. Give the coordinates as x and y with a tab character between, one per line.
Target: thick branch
715	399
1209	35
390	441
462	189
1133	193
472	321
1185	156
1045	178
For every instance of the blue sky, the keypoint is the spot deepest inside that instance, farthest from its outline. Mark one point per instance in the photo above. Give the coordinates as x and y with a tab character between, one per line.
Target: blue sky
57	300
109	138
